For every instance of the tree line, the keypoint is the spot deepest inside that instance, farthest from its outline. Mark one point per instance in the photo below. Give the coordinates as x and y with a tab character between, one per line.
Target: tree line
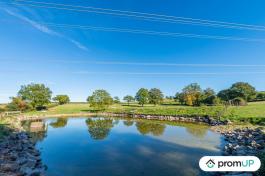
39	96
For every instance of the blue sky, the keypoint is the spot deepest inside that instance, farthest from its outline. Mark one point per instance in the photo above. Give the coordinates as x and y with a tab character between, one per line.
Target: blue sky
76	61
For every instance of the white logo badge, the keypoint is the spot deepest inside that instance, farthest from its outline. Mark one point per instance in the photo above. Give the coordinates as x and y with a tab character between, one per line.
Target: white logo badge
229	163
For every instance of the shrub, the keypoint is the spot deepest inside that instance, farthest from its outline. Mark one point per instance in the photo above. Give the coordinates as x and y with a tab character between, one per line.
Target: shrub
17	104
239	102
62	99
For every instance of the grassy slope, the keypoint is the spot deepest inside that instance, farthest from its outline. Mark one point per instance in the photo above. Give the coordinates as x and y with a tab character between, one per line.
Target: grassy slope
253	110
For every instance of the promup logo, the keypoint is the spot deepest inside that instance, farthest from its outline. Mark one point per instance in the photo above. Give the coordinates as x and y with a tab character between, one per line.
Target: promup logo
229	163
210	163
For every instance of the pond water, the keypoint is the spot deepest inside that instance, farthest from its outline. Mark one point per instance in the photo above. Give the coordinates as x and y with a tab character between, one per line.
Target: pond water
117	147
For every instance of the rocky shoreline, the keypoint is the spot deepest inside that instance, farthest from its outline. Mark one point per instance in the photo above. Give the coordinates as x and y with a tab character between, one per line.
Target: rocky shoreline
243	142
19	157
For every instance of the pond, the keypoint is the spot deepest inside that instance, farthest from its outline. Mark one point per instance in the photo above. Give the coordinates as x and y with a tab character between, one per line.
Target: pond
115	147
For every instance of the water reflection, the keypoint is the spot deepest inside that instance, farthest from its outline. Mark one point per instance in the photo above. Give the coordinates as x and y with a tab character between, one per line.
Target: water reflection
128	122
99	128
164	149
37	129
155	129
59	123
198	132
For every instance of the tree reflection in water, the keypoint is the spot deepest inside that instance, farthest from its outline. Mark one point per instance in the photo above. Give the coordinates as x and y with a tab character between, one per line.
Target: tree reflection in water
99	128
38	133
128	122
60	123
197	132
152	128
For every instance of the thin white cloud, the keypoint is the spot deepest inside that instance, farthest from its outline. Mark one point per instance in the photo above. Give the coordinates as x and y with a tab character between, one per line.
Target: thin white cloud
45	29
36	25
166	74
78	44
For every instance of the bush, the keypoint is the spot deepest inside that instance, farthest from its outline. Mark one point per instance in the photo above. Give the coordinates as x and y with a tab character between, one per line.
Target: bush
17	104
239	102
260	96
62	99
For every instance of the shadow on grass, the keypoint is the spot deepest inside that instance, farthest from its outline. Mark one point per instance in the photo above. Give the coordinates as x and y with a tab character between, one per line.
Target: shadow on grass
131	105
92	110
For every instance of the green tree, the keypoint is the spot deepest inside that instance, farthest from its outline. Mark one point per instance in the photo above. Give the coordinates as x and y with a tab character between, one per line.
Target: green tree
36	94
128	99
142	96
116	99
179	97
209	97
238	90
100	99
225	95
155	96
243	90
192	94
61	99
260	96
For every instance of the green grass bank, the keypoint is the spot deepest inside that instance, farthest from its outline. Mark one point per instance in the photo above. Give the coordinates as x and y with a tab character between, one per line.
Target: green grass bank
254	112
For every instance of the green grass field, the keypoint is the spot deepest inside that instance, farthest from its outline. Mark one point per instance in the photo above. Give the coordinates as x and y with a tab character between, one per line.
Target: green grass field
253	112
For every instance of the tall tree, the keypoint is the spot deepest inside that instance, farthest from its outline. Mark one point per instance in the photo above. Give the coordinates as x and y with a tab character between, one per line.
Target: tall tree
209	97
179	97
243	90
100	99
128	99
192	94
142	96
155	96
61	99
36	94
238	90
225	94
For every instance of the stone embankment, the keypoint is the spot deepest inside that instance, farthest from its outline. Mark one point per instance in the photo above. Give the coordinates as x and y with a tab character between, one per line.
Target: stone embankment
194	119
244	142
19	157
